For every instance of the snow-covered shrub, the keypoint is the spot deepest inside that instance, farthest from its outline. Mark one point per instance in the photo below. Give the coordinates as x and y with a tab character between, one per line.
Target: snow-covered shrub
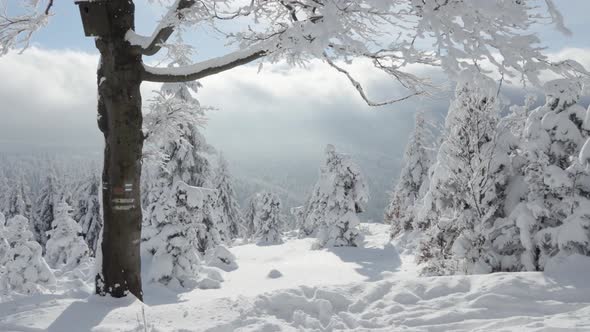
25	269
413	179
264	219
65	247
338	197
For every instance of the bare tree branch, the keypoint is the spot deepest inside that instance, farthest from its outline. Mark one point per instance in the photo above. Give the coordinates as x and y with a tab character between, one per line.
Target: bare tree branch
361	91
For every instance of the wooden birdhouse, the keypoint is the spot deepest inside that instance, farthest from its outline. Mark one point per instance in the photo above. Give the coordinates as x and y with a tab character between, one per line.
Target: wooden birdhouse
95	17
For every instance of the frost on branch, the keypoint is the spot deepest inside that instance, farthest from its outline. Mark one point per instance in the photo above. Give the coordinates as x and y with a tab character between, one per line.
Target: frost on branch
338	197
16	30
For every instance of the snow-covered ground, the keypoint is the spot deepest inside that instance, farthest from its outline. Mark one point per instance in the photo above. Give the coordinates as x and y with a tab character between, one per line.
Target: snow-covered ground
354	289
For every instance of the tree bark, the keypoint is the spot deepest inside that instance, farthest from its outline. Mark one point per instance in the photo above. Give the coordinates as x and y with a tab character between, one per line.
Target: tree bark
120	120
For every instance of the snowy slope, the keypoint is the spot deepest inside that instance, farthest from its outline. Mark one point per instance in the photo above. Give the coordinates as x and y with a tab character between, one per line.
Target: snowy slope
369	289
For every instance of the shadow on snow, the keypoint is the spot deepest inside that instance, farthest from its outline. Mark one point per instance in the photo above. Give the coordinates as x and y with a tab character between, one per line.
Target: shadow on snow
372	261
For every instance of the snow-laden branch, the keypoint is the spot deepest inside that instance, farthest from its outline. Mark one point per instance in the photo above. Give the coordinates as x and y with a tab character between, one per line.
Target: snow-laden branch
16	31
150	45
361	91
203	69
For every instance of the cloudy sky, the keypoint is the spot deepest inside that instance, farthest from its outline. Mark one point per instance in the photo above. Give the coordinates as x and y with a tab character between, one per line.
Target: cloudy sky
268	124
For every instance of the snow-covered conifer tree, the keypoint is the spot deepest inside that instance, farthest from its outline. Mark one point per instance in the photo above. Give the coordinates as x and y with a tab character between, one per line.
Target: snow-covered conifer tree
229	208
467	189
338	197
550	220
19	202
412	181
4	246
25	269
88	213
175	148
65	247
264	220
45	208
174	238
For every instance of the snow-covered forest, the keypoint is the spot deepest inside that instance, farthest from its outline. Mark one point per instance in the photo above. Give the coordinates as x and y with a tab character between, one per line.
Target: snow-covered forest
468	211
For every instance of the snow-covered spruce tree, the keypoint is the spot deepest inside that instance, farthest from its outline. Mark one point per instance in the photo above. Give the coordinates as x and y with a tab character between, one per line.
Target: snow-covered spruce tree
468	186
87	213
4	246
45	208
551	217
229	208
413	178
338	197
25	269
65	248
4	191
264	220
175	240
175	150
19	202
174	140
